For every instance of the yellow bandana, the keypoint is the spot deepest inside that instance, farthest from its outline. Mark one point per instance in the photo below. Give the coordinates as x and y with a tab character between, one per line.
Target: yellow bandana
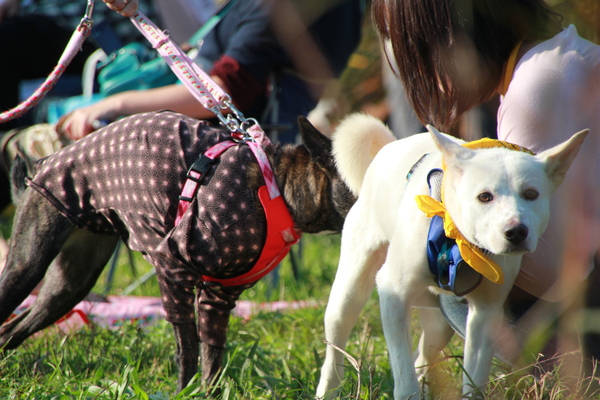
487	143
469	252
472	254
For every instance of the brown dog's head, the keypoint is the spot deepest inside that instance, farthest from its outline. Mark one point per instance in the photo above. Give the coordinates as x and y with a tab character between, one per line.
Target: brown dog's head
316	195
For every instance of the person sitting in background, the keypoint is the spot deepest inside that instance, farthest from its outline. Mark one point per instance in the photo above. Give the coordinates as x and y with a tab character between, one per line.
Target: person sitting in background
33	36
259	50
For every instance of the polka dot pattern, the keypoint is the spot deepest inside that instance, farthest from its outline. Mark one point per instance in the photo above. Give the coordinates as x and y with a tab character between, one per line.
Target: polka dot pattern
126	179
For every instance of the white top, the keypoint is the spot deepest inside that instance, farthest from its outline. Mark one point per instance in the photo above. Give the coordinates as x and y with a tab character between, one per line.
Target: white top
554	93
182	18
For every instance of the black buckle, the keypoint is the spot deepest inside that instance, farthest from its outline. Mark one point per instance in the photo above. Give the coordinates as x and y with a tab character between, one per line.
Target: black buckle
213	285
201	166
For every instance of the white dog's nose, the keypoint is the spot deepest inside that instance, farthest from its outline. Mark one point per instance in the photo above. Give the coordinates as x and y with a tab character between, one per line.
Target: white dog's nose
517	233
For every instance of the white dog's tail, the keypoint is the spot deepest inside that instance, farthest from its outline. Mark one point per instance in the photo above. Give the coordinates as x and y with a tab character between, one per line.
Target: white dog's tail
356	141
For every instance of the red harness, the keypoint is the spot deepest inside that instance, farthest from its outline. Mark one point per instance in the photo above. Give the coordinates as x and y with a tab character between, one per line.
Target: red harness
281	234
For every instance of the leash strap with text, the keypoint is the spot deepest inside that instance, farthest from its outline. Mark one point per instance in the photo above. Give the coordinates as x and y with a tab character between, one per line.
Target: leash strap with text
199	83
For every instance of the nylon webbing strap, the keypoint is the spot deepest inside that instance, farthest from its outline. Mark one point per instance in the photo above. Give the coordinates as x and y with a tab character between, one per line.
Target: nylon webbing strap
200	84
73	47
210	95
195	175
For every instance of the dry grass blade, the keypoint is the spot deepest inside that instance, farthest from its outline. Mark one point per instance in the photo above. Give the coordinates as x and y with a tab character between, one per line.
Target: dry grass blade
352	361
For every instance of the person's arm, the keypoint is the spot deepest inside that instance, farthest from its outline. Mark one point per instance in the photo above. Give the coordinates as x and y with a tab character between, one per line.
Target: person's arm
124	7
9	8
83	121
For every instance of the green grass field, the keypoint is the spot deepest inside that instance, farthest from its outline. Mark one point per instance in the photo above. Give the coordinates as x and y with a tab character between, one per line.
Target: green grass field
273	355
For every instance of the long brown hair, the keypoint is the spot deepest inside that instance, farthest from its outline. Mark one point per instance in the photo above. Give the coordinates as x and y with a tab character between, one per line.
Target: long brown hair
431	40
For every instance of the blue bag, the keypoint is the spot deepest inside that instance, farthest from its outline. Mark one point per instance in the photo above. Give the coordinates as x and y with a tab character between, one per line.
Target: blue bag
134	67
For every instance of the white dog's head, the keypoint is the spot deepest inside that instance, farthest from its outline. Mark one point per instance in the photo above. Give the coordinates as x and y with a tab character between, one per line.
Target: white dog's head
499	198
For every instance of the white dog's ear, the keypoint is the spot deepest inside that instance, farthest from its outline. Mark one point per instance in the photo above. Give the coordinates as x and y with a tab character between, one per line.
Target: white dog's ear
558	159
451	150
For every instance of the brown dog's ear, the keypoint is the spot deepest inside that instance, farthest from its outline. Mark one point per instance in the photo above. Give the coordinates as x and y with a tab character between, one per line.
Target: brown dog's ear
318	145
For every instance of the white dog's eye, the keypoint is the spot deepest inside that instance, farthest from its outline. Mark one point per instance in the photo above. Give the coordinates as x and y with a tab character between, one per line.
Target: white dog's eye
485	197
531	194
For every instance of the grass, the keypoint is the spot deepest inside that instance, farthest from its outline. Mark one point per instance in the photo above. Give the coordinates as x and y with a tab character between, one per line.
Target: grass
273	355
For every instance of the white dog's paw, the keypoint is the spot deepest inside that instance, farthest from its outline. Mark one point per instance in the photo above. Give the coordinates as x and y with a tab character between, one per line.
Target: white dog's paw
408	395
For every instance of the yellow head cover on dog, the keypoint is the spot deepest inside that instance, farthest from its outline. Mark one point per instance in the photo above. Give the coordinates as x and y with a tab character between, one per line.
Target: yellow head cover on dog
472	254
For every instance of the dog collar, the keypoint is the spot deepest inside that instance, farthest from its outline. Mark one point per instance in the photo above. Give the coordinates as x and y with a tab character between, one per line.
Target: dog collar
451	272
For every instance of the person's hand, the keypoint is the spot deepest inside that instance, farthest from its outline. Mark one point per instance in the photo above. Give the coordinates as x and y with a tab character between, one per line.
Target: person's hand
83	121
9	8
124	7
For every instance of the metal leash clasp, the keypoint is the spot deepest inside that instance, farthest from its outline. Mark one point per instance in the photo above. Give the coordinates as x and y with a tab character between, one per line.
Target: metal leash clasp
235	121
87	21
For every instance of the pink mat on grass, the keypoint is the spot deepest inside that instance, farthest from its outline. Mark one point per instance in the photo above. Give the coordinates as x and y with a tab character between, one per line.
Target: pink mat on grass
146	310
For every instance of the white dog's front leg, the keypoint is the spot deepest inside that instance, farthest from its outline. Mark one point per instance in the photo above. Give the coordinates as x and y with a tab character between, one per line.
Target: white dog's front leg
479	346
351	289
360	259
485	319
434	338
394	298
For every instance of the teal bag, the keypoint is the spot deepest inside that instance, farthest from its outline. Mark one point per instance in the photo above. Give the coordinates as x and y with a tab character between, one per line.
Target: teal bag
136	67
133	67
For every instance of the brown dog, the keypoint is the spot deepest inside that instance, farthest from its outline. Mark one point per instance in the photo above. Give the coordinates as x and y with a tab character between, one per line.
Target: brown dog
124	181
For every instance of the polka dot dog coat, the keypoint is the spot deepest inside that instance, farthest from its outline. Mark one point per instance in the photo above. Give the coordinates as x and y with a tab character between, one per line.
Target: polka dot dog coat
126	179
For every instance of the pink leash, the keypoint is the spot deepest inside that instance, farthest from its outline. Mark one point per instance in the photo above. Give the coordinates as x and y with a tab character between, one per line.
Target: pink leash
81	33
281	234
199	83
210	95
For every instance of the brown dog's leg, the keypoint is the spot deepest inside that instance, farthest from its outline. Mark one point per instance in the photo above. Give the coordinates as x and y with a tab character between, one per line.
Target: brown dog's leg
186	337
214	306
68	280
39	232
210	368
46	245
187	340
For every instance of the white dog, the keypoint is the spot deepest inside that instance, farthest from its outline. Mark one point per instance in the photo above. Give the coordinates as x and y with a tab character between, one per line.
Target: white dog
498	199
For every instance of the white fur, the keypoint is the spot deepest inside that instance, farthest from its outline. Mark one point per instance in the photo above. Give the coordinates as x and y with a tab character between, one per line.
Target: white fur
383	243
356	141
